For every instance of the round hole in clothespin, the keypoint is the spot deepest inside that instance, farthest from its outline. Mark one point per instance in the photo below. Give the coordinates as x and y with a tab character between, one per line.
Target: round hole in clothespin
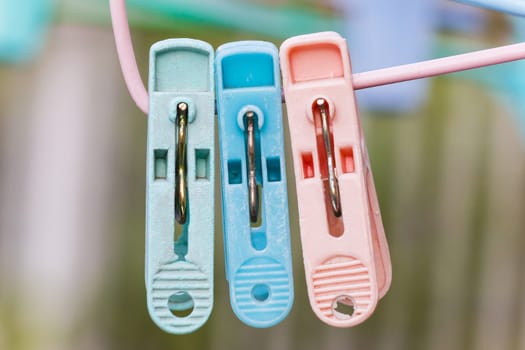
181	304
261	292
343	307
191	109
313	106
250	108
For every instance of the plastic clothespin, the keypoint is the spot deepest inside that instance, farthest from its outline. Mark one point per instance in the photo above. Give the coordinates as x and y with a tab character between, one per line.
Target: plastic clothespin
345	252
180	185
255	205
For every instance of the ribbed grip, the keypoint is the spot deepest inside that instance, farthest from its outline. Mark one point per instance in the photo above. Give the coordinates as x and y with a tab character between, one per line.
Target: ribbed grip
262	292
343	279
174	279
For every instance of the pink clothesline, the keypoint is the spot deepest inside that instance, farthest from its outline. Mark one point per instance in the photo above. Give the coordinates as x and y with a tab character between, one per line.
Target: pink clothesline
439	66
363	80
126	55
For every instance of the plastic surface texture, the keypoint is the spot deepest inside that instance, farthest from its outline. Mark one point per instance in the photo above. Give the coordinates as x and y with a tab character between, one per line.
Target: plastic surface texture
346	258
258	255
179	258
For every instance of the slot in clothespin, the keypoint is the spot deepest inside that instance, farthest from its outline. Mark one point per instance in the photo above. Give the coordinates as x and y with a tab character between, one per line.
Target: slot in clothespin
255	206
345	252
180	185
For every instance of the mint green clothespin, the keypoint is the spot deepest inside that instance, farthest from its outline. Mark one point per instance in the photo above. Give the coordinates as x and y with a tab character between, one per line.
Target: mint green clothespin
180	185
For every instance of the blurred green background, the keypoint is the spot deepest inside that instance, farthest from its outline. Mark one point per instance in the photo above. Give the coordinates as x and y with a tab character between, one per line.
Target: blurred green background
450	177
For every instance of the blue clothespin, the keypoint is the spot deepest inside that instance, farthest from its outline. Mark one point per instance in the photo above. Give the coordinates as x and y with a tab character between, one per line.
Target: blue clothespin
180	185
255	205
22	27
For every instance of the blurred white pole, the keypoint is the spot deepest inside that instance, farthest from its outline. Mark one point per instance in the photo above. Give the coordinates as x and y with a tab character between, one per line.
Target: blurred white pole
58	221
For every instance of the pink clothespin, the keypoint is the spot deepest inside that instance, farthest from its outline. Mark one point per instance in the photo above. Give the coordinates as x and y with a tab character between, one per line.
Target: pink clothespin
345	252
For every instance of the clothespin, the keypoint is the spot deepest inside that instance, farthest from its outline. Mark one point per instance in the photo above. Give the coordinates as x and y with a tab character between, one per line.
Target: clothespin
345	252
255	206
180	185
335	188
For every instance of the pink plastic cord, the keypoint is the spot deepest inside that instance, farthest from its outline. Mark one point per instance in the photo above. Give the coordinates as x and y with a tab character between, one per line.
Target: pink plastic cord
363	80
126	55
439	66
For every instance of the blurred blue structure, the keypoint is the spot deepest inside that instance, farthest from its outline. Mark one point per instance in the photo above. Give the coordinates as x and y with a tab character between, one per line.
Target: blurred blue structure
383	34
388	33
22	28
463	19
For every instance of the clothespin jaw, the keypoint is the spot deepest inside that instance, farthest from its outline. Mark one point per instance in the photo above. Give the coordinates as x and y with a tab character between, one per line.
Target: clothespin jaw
345	253
180	185
255	206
